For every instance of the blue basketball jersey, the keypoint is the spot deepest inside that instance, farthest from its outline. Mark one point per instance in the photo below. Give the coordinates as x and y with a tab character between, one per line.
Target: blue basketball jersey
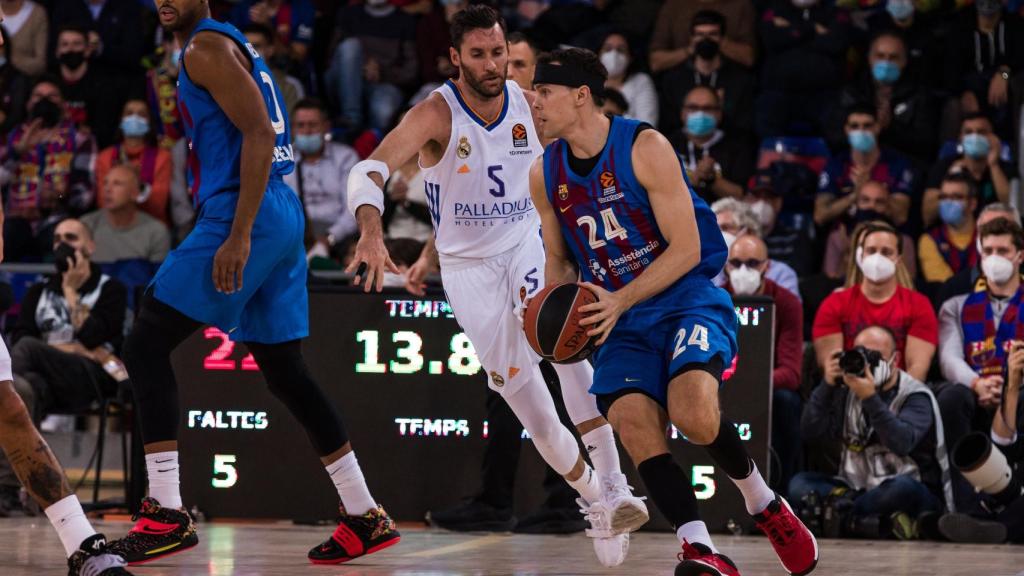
215	144
607	220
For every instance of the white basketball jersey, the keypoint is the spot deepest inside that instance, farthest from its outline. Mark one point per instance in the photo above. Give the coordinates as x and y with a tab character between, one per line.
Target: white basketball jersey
479	193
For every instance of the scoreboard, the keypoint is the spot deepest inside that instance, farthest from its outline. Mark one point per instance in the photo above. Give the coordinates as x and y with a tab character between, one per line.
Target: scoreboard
411	391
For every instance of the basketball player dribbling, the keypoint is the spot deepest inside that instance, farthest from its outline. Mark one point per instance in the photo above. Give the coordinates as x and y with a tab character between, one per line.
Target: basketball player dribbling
614	210
41	475
242	269
475	138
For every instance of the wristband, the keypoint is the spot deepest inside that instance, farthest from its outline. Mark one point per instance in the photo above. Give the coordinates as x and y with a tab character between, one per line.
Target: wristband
363	190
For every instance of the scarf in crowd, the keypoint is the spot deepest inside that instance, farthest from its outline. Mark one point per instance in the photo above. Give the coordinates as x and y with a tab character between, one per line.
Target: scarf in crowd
144	161
958	259
162	96
46	165
985	347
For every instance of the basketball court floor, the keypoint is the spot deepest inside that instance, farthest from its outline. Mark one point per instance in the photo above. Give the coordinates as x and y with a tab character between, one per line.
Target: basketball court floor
28	546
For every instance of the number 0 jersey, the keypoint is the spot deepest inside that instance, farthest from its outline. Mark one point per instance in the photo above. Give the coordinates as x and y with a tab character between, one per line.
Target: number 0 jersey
607	219
479	192
215	144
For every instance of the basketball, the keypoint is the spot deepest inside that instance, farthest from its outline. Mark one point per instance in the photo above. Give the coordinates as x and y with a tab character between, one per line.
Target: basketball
552	323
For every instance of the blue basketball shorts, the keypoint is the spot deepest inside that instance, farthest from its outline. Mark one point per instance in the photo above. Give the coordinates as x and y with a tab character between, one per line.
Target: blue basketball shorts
650	345
273	305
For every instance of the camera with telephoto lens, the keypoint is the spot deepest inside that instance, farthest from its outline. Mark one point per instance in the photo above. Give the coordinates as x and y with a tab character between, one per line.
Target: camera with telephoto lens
856	360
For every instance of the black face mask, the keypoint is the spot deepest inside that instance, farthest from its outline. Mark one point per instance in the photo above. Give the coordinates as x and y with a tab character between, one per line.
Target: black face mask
48	111
72	60
61	253
706	49
868	216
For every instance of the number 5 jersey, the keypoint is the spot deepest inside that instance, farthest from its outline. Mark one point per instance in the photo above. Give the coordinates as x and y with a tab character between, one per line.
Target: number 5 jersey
479	192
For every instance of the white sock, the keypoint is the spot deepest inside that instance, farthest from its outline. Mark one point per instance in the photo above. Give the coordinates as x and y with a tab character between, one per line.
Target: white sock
600	445
164	485
587	485
70	522
348	479
696	532
756	493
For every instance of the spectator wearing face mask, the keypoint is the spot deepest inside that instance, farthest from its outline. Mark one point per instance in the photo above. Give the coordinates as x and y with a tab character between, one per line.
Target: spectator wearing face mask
93	98
320	175
735	218
865	160
986	58
872	203
625	76
878	291
905	110
921	33
963	281
893	465
717	162
980	157
708	66
788	245
672	41
118	37
975	332
49	163
948	248
746	268
138	148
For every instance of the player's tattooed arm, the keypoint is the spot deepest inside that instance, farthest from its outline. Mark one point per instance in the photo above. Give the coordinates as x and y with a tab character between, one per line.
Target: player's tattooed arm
558	264
33	462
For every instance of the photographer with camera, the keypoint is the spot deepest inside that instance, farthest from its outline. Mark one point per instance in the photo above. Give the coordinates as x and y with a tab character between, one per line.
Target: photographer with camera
893	465
63	345
993	464
47	171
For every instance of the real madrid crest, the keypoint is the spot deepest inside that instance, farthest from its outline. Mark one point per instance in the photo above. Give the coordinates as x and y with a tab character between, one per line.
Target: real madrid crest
464	149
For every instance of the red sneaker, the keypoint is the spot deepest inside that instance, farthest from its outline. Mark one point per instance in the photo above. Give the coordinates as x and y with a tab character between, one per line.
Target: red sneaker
793	542
357	536
698	560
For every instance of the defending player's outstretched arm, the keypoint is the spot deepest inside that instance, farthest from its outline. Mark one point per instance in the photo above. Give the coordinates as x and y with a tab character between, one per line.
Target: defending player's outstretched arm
217	64
558	263
422	126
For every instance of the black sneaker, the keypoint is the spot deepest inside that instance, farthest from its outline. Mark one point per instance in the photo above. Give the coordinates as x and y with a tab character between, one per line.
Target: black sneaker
473	516
967	529
357	536
553	521
158	532
94	558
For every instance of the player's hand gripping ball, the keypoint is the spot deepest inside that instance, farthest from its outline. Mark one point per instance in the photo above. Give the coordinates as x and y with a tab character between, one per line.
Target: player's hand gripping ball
552	323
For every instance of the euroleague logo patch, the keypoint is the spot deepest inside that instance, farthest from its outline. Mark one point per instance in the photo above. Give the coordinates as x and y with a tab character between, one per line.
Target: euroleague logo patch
519	139
608	182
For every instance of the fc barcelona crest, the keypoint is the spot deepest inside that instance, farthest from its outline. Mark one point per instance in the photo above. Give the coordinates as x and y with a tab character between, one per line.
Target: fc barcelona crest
563	192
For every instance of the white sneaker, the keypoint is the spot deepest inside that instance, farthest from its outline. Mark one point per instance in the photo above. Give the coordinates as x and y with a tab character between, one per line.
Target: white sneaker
610	548
628	512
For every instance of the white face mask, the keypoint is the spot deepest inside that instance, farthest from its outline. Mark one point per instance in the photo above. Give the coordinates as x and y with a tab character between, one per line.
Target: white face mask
875	267
997	269
745	280
615	62
764	212
729	239
883	372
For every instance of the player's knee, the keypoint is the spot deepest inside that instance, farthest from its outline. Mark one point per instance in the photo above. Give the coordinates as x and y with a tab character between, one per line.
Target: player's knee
13	414
700	426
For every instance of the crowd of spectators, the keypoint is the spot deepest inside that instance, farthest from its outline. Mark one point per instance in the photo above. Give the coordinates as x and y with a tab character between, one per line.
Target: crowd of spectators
861	157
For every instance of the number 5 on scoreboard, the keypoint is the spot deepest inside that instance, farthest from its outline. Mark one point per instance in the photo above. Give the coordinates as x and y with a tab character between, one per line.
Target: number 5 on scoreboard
703	476
224	465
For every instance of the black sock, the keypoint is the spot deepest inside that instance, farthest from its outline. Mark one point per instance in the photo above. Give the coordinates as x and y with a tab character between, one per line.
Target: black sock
670	489
729	452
